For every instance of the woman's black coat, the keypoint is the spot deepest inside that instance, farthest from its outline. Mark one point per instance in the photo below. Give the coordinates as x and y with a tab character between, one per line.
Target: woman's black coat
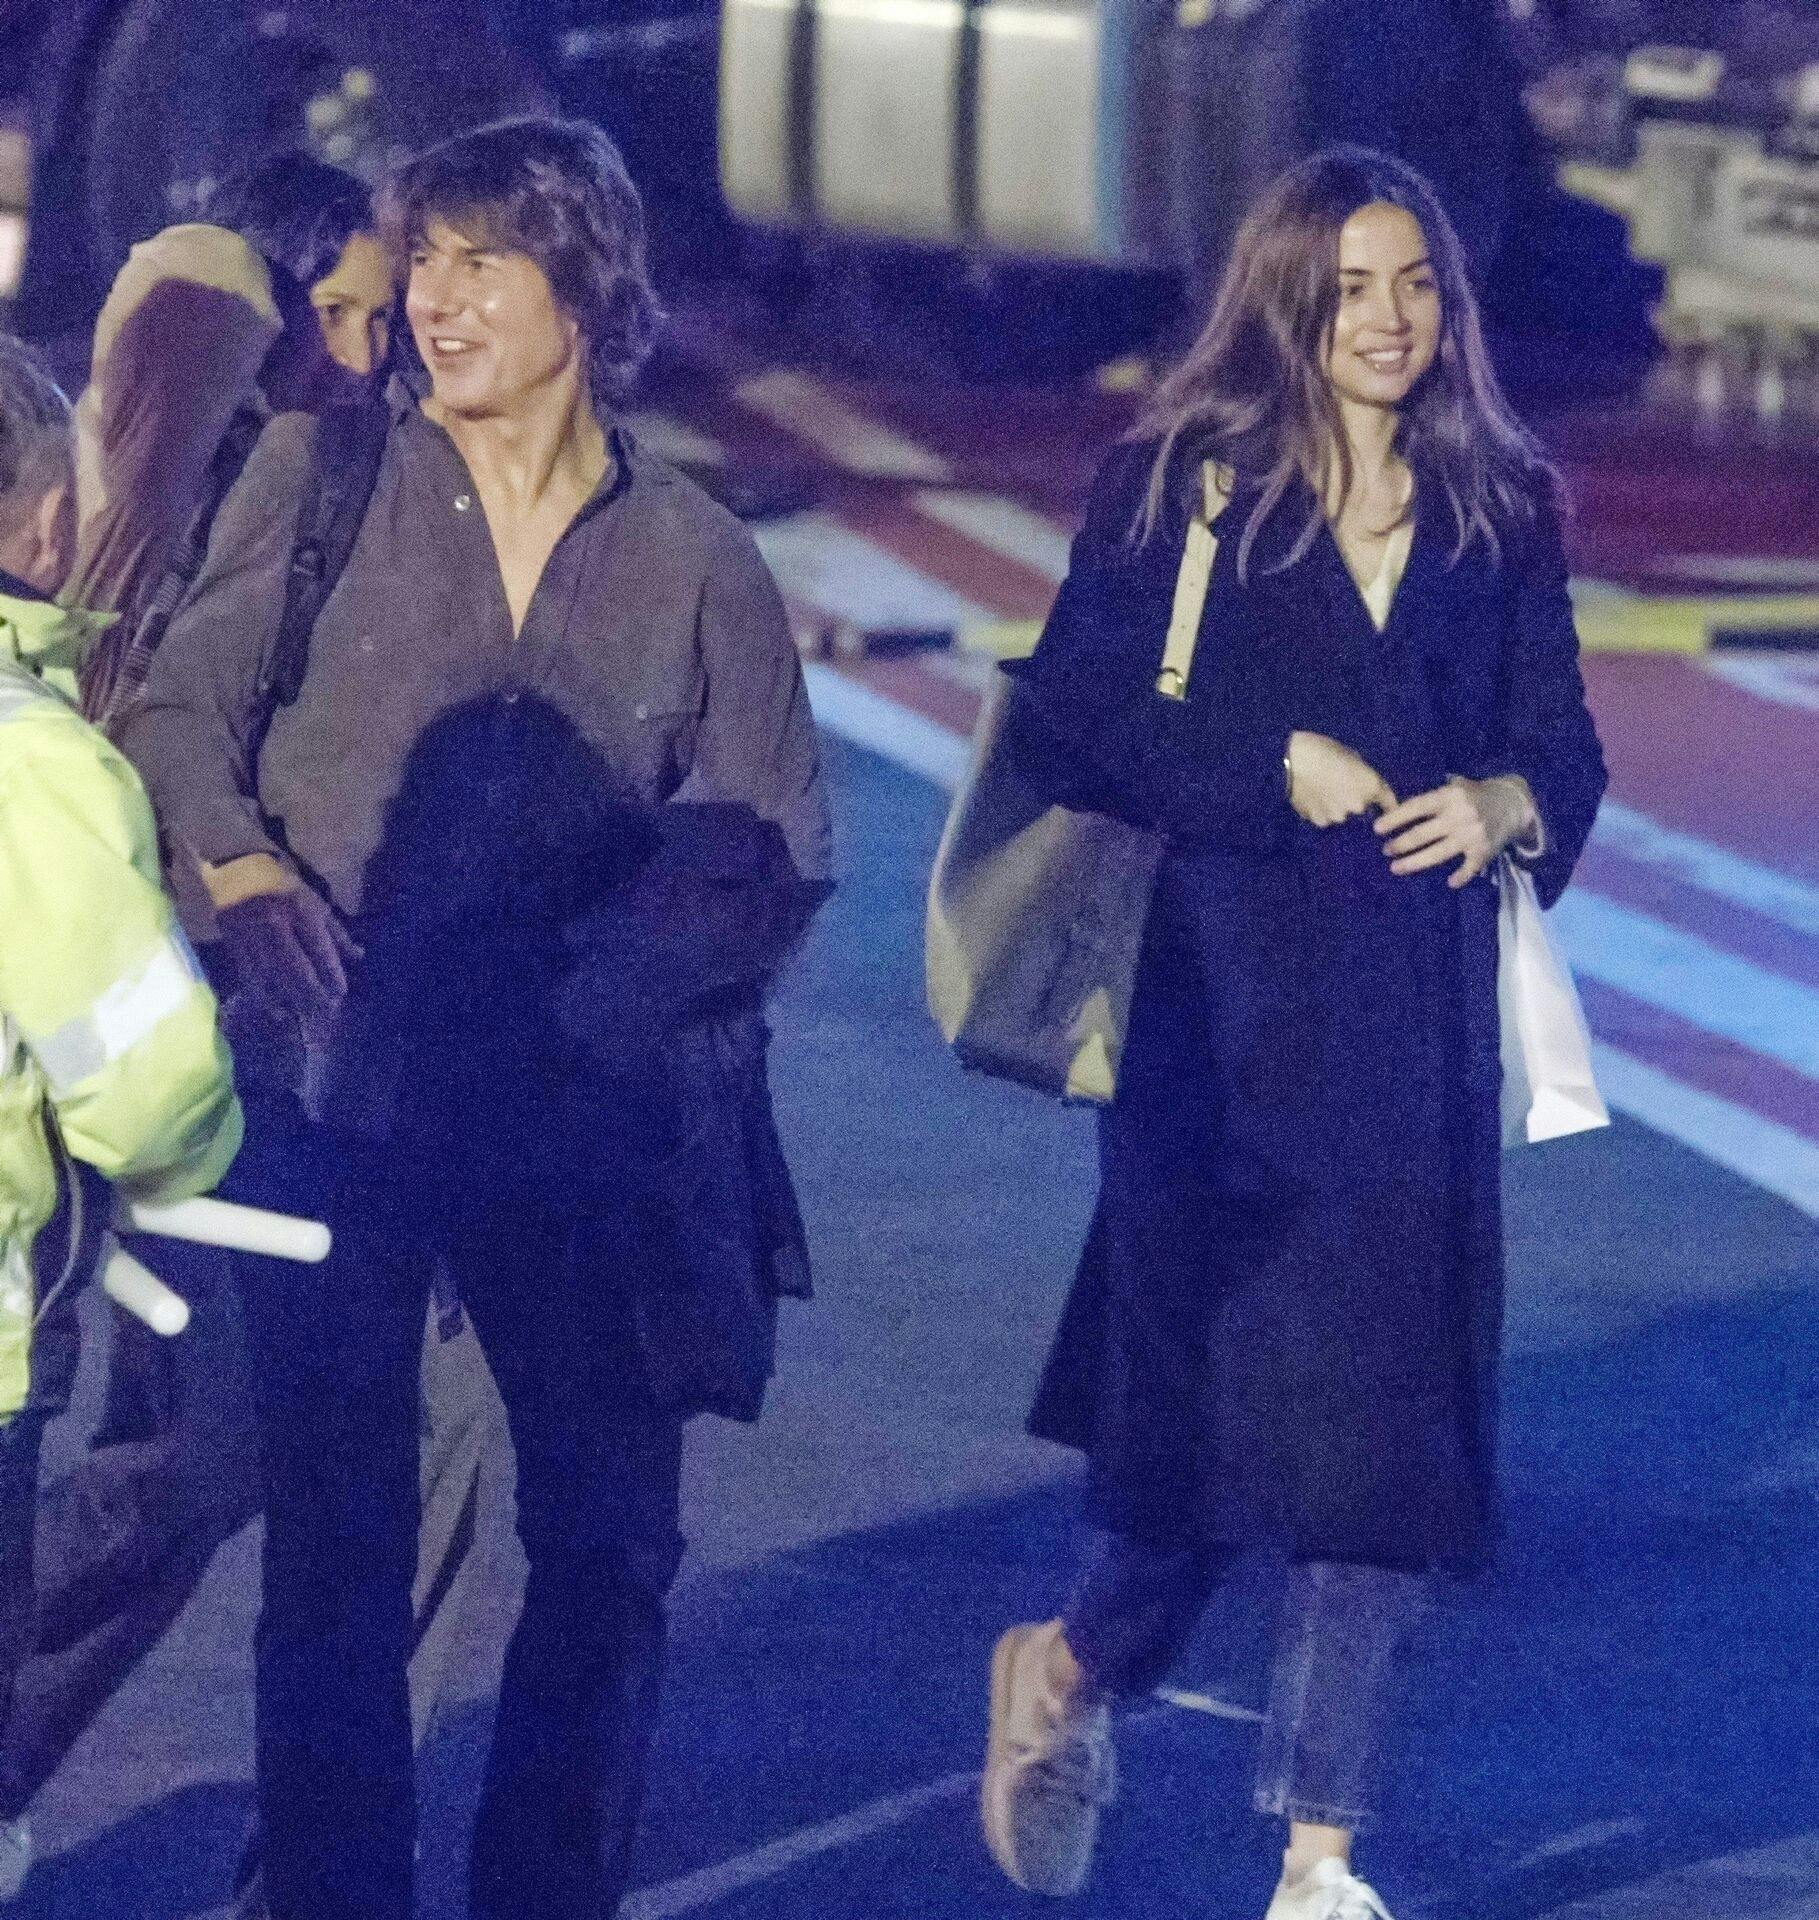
1287	1318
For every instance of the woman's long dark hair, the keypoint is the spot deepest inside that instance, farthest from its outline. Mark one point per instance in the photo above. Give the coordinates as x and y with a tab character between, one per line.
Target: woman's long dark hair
1253	394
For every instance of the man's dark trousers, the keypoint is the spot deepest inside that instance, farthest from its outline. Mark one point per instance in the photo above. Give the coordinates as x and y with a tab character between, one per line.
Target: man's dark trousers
125	1535
334	1358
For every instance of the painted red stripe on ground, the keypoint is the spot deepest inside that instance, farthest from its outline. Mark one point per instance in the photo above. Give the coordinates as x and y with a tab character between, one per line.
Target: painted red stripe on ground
1701	1059
1005	587
1643	492
1749	503
750	438
1047	472
882	514
1693	752
886	516
1041	444
1723	923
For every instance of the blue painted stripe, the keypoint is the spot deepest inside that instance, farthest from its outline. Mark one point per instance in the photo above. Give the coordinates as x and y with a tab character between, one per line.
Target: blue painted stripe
820	564
1788	683
1746	883
1771	1157
1688	977
854	712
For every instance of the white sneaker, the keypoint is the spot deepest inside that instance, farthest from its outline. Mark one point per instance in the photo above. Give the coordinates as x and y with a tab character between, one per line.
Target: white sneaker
1329	1892
1049	1770
15	1855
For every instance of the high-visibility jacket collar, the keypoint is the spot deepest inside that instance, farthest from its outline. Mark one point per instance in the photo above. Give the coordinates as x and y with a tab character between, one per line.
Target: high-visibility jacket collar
48	641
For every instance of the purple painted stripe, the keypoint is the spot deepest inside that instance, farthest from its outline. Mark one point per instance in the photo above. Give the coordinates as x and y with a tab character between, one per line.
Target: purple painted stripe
1701	1059
1726	924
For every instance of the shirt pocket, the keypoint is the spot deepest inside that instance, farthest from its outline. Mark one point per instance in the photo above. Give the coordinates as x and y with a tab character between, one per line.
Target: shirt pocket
665	721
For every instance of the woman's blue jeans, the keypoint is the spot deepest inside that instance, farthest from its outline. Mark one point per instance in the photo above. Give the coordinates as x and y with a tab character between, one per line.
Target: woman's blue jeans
1338	1663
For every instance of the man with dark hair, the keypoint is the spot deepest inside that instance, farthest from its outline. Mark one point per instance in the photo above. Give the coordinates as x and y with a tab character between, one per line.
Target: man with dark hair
557	194
520	551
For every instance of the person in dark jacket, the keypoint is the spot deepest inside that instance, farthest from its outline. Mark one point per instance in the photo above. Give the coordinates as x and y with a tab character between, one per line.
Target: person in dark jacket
520	550
1285	1329
278	299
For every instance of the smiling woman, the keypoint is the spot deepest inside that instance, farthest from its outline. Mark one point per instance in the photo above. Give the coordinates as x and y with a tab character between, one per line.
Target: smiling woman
1386	330
1284	1330
1352	251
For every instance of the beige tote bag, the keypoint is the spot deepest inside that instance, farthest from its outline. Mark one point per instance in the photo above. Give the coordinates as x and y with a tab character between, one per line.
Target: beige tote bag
1035	911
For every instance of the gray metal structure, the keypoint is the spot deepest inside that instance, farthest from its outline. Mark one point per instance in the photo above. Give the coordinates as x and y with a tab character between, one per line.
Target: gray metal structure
1131	133
1018	126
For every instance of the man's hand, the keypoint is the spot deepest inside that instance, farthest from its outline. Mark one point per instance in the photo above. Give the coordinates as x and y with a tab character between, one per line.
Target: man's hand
1328	783
291	949
1470	821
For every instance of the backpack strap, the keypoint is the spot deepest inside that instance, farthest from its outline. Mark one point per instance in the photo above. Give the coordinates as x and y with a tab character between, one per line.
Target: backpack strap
108	696
344	465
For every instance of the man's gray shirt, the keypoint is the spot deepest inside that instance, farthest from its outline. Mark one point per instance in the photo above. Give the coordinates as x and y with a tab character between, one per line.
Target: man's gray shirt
655	628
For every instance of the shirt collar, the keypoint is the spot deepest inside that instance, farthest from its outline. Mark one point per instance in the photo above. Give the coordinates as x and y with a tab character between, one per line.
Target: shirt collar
631	464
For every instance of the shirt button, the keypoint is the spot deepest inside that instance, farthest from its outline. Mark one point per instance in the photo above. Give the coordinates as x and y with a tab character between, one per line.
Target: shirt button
463	501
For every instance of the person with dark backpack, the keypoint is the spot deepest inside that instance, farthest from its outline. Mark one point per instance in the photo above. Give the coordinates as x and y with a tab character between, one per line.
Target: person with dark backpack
279	299
126	1535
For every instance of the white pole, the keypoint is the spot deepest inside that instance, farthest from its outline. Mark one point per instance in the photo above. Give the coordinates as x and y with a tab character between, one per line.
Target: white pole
143	1294
220	1223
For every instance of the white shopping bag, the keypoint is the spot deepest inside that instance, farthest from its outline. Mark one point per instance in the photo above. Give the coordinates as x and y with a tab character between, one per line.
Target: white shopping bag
1548	1089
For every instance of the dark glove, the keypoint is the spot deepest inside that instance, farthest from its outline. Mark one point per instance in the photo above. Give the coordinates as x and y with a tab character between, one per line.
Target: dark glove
291	949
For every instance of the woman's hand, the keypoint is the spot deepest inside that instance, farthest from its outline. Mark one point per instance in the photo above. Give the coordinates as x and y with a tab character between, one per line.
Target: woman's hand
1470	821
1328	782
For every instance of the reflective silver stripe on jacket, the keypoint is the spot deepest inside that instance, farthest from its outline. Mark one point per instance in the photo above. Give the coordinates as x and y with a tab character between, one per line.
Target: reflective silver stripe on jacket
120	1017
18	690
15	1281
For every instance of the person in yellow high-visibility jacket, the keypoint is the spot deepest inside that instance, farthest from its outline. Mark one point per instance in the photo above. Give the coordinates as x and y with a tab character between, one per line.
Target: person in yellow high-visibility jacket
108	1039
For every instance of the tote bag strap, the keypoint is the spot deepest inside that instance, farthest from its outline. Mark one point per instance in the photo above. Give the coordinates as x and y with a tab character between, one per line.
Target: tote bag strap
1192	581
